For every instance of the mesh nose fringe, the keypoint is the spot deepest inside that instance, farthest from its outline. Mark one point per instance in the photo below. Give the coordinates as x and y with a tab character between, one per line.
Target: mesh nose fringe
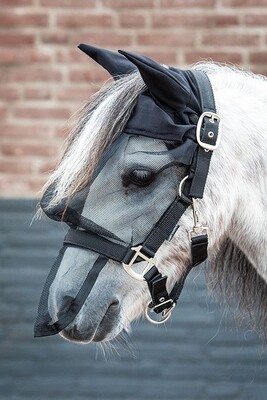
44	325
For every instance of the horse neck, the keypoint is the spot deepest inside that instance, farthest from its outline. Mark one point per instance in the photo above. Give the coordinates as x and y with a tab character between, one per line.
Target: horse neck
242	161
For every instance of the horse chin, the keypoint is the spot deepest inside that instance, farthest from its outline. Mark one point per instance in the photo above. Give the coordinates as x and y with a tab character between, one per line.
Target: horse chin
73	334
87	330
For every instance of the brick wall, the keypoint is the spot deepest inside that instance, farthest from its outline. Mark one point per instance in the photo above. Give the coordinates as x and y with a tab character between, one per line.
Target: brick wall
43	78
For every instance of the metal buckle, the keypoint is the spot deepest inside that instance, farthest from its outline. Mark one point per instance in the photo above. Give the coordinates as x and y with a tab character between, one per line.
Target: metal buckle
213	117
198	228
165	315
128	267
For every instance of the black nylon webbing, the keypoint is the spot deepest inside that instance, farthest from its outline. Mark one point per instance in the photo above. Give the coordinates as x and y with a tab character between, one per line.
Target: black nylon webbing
166	226
96	243
46	328
203	157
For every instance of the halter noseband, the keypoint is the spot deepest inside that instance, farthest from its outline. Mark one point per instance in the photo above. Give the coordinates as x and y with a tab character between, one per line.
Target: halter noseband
190	189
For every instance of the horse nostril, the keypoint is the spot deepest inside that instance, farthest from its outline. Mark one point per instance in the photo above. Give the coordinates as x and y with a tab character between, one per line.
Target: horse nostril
114	303
65	307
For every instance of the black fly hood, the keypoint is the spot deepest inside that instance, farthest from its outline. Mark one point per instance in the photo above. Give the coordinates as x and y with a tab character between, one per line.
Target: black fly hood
177	120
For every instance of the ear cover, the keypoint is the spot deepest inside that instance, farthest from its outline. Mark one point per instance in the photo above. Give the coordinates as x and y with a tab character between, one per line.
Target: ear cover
168	86
116	64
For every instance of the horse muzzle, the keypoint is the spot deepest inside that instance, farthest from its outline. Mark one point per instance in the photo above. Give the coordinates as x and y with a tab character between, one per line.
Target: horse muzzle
95	323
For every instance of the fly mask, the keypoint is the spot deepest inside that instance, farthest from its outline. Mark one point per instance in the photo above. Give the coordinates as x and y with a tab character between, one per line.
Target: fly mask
175	117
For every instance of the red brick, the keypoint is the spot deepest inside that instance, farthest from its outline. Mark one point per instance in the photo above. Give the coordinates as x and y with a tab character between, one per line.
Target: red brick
165	39
75	94
120	4
163	57
54	37
189	20
15	167
132	21
231	40
225	20
62	131
33	74
224	57
37	93
22	18
40	113
15	39
3	111
245	3
35	185
73	55
25	131
47	167
256	20
17	150
9	93
13	3
88	75
107	38
68	3
22	56
20	188
48	77
187	3
258	57
176	20
82	20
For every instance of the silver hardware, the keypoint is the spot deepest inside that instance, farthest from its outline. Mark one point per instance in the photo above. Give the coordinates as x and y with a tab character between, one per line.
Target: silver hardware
128	267
210	134
181	185
162	299
165	315
198	228
213	117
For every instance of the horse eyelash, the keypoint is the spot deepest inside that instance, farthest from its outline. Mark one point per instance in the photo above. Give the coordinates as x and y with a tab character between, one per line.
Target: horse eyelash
126	180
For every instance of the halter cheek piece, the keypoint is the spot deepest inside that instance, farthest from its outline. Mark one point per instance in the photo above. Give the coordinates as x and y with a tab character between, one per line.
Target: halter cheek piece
190	189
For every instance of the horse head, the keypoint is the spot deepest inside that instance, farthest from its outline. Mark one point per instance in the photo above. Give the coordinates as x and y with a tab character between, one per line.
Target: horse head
127	187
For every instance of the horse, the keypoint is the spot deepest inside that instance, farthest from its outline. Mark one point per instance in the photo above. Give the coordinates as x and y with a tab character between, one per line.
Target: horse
128	157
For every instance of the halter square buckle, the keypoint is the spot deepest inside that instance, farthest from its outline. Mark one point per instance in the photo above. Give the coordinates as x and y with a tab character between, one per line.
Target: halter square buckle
138	253
213	117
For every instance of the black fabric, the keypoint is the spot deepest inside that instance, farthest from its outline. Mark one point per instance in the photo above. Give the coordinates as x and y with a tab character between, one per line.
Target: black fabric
96	243
205	91
115	63
44	325
166	226
150	119
203	157
199	246
172	87
157	287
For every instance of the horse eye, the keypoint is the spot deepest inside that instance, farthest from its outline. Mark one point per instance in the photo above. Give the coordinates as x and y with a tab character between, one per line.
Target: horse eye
138	177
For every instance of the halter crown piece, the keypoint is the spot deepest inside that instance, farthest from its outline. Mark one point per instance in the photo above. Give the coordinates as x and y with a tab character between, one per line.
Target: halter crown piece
189	93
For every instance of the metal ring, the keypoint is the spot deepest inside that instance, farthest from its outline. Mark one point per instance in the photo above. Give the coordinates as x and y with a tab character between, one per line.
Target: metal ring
165	316
181	185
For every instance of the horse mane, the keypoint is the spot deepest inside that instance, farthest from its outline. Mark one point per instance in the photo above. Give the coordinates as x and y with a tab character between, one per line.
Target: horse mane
231	275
